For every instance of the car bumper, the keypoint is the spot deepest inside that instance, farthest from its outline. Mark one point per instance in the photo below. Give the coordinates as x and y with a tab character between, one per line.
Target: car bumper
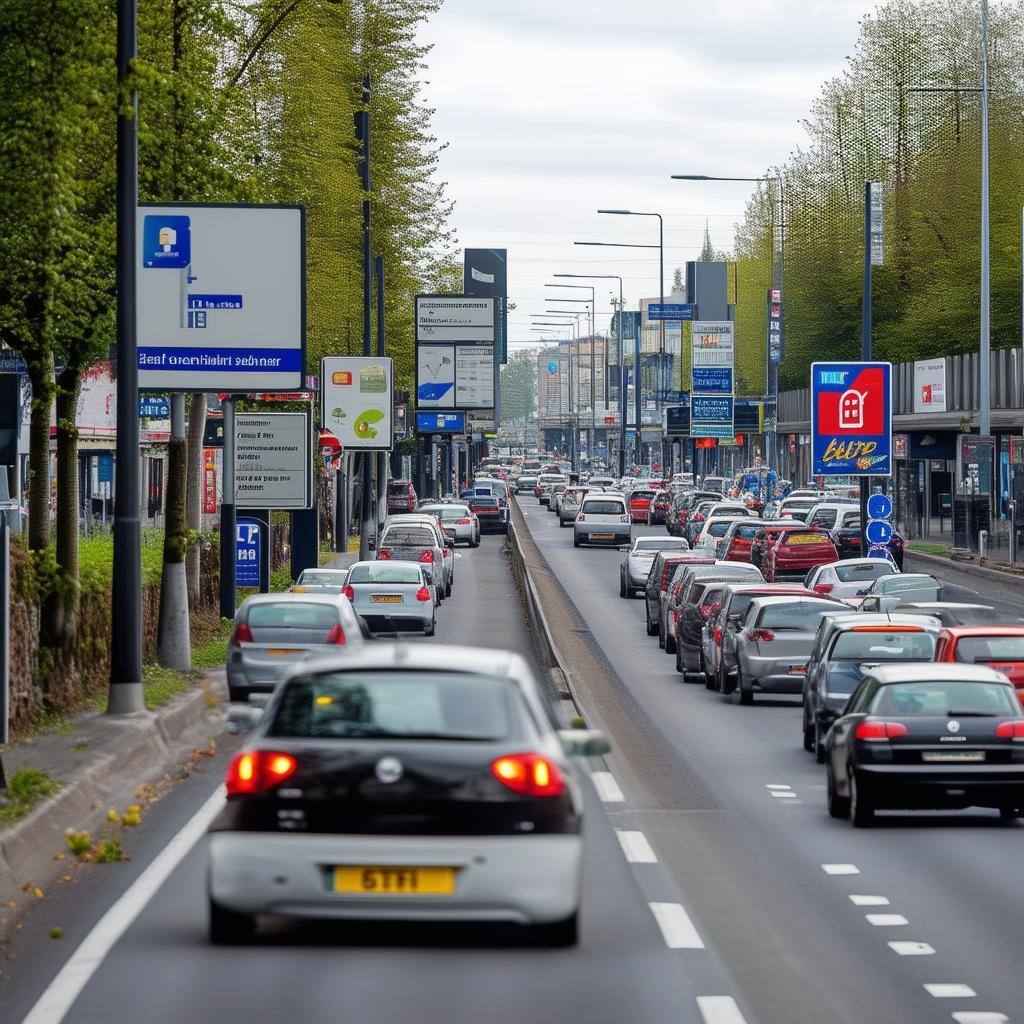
404	622
521	879
617	534
936	785
772	675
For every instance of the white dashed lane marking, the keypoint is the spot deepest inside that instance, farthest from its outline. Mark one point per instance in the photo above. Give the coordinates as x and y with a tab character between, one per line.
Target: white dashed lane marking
774	785
720	1010
840	869
676	927
607	788
911	948
980	1017
783	794
949	990
635	847
886	920
869	901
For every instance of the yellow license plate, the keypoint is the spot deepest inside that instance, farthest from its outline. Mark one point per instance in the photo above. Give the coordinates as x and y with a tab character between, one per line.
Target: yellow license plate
386	598
282	650
602	536
395	881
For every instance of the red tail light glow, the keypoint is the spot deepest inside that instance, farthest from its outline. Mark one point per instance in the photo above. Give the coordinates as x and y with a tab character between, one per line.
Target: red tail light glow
384	553
1011	731
241	635
254	771
336	636
760	635
463	522
581	518
427	556
875	732
529	775
718	634
823	588
423	594
348	592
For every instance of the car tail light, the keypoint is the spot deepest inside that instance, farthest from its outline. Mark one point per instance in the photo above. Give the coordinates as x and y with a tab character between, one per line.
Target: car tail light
1011	731
529	774
462	522
348	592
254	771
427	556
336	635
718	634
384	553
760	635
241	635
423	594
875	732
706	610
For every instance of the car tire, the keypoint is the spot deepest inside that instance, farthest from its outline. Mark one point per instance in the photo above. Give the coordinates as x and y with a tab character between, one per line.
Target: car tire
227	927
429	631
838	806
680	668
238	694
670	643
448	589
808	731
740	694
575	542
623	589
1008	815
652	629
557	934
475	543
819	743
862	806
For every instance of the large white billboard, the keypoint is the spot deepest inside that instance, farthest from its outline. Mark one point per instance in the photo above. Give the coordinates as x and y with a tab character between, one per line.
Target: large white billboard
357	401
272	460
221	297
930	385
454	318
712	343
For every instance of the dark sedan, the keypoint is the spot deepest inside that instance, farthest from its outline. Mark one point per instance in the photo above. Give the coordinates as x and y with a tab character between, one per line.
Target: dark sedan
847	542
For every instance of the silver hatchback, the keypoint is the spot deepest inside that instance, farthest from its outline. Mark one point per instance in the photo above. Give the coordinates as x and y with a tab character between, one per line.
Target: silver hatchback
392	597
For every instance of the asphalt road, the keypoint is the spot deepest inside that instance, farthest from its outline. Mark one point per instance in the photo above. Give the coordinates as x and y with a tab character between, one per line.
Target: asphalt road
734	810
161	968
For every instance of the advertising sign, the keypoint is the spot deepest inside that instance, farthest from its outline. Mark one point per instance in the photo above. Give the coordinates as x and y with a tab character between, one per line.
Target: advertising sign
440	422
877	224
671	311
221	297
485	273
247	553
712	380
773	317
356	401
454	318
851	419
930	385
711	417
712	343
273	467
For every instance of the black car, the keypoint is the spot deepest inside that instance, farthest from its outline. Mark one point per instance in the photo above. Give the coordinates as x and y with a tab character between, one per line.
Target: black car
657	580
847	542
927	736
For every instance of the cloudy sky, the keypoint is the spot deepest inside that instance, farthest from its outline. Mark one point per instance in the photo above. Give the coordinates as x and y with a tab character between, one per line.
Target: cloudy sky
554	108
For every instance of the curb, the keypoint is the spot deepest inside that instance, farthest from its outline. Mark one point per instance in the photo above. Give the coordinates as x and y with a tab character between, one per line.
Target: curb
992	573
146	745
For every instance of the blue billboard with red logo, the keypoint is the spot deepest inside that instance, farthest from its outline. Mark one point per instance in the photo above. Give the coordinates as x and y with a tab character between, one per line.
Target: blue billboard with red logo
851	419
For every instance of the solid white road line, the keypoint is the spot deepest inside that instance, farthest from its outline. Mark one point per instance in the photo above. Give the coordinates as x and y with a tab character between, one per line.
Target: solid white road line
886	920
911	948
949	990
636	847
607	788
676	926
980	1017
769	785
720	1010
783	794
62	992
840	869
869	901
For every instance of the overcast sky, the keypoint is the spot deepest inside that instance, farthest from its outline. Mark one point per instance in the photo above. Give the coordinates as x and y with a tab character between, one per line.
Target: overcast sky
554	108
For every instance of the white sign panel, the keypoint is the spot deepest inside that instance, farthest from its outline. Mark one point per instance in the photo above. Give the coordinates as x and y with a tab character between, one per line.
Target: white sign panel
454	318
221	298
272	460
877	224
930	385
474	376
357	401
712	343
435	377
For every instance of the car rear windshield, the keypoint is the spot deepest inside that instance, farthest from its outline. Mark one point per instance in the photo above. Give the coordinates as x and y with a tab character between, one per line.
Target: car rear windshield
658	543
410	536
645	495
446	512
396	487
797	614
945	698
863	571
406	705
384	572
747	531
873	646
719	529
292	615
603	508
972	649
322	579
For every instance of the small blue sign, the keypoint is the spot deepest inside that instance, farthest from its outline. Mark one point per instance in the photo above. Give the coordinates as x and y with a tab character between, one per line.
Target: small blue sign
441	422
552	367
247	553
851	419
712	417
166	242
105	468
154	407
879	506
671	311
712	380
878	532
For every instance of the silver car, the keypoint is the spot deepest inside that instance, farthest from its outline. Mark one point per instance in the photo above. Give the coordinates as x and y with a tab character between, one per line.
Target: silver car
272	632
392	597
603	519
320	581
636	566
464	523
412	539
407	783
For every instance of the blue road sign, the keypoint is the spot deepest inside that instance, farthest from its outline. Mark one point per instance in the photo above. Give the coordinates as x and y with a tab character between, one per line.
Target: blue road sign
441	422
105	468
552	367
155	407
851	419
712	380
711	416
879	506
878	532
166	241
247	553
671	311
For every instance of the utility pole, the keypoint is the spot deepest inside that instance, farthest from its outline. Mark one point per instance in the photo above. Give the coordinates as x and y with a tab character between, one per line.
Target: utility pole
382	457
865	350
125	692
984	355
362	121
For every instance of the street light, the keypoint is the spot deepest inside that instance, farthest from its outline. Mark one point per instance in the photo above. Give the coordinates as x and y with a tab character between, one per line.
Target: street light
592	303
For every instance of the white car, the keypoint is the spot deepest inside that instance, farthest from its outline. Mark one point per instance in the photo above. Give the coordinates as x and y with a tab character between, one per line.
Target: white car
713	529
603	519
848	578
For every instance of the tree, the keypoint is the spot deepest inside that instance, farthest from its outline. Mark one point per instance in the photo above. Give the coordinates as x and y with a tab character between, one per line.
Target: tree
519	386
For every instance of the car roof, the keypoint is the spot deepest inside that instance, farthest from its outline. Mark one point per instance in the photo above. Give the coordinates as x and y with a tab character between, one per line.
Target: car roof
967	631
923	672
288	597
769	588
855	618
403	562
858	561
773	599
326	568
942	605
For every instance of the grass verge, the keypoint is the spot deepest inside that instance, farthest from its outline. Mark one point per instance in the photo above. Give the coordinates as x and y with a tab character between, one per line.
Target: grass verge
25	788
924	548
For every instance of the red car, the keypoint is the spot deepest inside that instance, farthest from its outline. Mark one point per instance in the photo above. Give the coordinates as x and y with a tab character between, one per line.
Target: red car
793	550
736	545
401	497
659	509
640	505
1001	647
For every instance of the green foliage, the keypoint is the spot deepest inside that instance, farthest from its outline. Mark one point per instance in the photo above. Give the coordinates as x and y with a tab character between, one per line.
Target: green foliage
159	685
25	788
518	385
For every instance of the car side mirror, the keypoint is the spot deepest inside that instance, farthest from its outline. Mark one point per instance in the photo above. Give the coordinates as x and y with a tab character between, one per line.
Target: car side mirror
243	718
584	742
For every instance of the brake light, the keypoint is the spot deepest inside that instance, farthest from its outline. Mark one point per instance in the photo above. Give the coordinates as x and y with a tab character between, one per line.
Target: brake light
241	635
336	635
423	594
760	635
529	775
875	732
348	592
254	771
823	588
427	556
718	634
887	629
463	522
384	553
1011	731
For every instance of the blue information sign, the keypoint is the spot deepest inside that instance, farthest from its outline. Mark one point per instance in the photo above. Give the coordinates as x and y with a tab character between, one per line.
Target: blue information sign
851	419
879	506
247	553
105	468
155	407
712	380
671	311
878	532
711	417
441	422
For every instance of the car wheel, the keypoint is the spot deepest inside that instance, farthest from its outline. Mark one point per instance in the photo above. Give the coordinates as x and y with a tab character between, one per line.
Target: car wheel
238	694
819	743
448	589
652	629
670	643
558	933
680	668
838	806
709	680
808	733
623	590
575	542
740	694
475	543
862	807
1008	815
429	631
228	928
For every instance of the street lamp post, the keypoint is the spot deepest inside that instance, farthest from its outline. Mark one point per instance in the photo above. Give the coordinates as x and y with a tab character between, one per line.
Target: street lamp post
593	379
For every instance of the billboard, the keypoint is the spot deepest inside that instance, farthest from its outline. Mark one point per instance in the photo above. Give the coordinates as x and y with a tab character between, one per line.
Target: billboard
273	467
712	343
221	294
356	401
451	318
930	385
485	273
440	422
773	317
712	416
851	419
712	380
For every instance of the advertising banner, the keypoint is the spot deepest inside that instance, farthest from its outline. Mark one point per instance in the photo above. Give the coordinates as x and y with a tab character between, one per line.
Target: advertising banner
247	553
930	385
440	422
712	380
712	417
356	401
671	311
221	297
712	343
273	467
851	419
773	316
454	318
485	273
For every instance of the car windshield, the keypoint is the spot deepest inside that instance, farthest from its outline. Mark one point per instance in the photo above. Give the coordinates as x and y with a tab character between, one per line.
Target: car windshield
398	487
447	512
603	508
653	544
410	705
884	646
746	531
903	584
719	529
944	698
384	572
872	570
643	495
974	649
292	615
409	536
803	615
323	578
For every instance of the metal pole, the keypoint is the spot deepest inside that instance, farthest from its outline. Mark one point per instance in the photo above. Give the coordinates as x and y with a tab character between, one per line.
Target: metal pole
382	457
366	460
622	385
227	514
125	692
984	357
662	386
5	636
865	350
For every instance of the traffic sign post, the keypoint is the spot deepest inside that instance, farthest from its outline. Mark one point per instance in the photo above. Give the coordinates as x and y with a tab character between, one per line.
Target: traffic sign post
878	530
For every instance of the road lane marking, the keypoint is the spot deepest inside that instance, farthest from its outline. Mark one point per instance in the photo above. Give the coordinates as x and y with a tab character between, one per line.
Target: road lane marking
980	1017
607	788
949	990
886	920
772	785
61	993
676	927
720	1010
636	847
840	869
869	901
911	948
783	794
